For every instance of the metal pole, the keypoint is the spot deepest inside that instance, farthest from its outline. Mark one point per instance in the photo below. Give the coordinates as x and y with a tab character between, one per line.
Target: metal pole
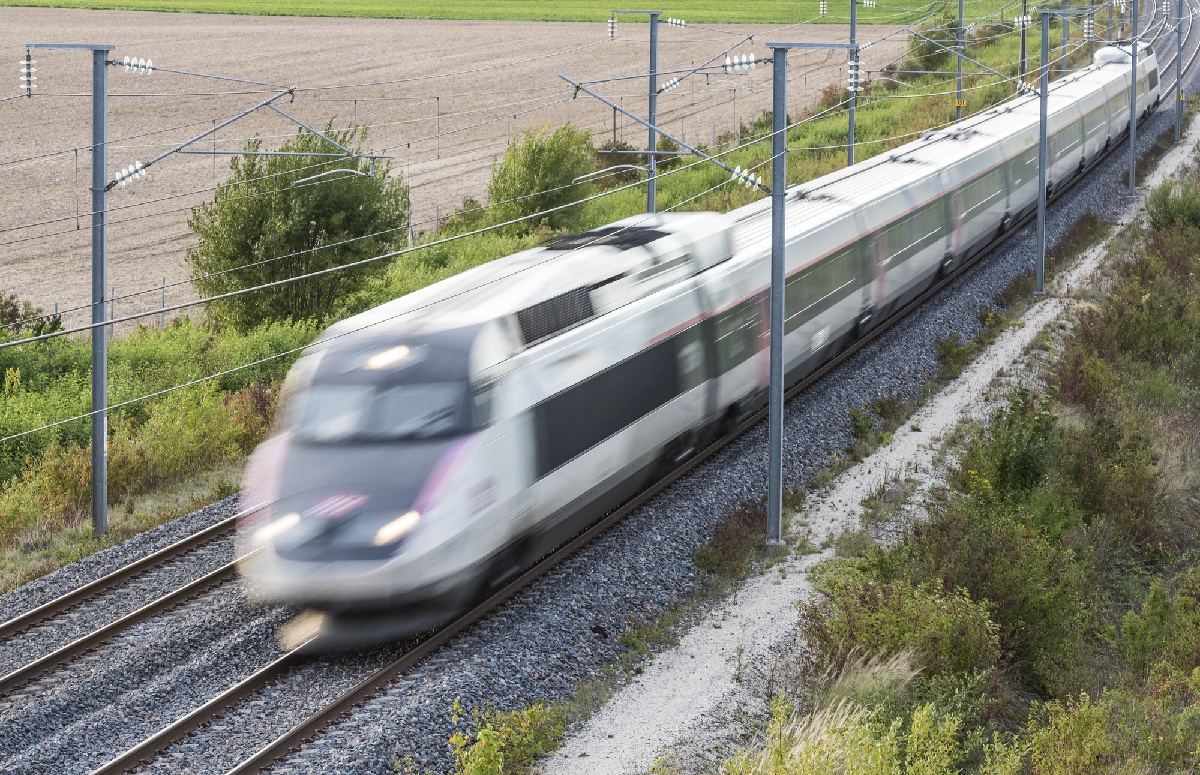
1133	102
778	187
1044	92
1092	37
652	166
853	94
958	99
1108	32
1024	63
99	283
1178	74
1063	67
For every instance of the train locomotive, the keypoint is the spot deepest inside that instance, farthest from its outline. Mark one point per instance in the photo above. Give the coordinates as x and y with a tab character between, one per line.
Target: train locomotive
434	445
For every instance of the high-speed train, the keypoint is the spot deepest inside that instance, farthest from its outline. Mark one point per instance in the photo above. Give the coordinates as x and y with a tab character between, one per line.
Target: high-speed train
432	445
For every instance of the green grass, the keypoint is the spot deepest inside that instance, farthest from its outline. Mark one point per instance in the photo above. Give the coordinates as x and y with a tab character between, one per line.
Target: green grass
695	11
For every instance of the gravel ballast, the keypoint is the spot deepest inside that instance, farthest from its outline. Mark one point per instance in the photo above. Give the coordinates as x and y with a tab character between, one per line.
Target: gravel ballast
537	647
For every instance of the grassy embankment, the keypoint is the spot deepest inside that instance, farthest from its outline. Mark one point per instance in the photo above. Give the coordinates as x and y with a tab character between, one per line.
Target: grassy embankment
695	11
155	449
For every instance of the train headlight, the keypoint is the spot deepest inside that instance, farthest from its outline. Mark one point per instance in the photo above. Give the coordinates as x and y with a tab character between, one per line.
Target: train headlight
397	528
277	527
388	358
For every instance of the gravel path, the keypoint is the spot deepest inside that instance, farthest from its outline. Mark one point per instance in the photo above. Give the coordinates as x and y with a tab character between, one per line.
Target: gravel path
539	646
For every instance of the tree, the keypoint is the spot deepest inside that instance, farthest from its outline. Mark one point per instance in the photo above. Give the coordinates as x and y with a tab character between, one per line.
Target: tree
273	220
536	175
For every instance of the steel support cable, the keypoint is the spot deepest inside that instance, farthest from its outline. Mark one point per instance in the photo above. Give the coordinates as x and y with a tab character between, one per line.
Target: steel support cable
354	264
112	143
168	198
294	254
417	120
449	74
295	350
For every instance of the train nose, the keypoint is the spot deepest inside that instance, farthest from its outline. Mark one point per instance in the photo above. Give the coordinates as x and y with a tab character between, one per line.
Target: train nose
351	523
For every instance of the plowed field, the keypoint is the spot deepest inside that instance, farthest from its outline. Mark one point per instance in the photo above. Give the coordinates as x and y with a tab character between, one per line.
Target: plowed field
442	97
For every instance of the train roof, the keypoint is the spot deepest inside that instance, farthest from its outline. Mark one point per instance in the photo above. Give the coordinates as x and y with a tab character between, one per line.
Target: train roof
820	202
509	285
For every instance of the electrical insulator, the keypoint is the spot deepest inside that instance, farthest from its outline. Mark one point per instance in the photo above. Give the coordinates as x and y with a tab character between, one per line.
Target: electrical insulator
744	177
671	84
139	66
132	172
1024	21
612	29
855	76
867	3
677	22
740	64
824	7
1089	28
27	75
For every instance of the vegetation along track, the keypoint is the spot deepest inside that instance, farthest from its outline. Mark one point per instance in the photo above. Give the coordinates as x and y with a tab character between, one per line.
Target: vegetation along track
274	670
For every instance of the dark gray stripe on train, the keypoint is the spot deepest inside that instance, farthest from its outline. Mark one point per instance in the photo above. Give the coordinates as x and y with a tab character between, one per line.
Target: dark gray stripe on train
582	416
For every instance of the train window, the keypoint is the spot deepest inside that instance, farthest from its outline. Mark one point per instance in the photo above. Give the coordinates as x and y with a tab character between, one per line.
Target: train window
329	412
1153	74
483	404
981	193
417	410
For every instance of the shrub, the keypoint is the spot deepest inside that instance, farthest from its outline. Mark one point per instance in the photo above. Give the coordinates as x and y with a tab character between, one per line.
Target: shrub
1021	444
506	742
738	535
928	54
862	423
946	633
1039	593
267	215
1073	739
1167	630
536	175
1174	202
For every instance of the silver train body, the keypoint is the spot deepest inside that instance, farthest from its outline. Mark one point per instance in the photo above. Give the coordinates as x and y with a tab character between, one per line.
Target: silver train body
434	444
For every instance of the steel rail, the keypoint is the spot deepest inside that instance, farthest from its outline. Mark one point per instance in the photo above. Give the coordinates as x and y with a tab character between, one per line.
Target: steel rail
380	679
88	591
89	642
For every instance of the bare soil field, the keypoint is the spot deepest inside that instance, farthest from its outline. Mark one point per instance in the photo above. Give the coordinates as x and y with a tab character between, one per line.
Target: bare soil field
443	97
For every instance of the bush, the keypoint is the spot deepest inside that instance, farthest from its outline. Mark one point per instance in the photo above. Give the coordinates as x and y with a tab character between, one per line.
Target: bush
266	212
926	54
536	175
1167	630
506	742
740	532
1038	592
1175	202
946	633
1073	739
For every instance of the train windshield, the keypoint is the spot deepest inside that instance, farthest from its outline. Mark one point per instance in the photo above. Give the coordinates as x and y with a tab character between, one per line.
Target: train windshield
326	413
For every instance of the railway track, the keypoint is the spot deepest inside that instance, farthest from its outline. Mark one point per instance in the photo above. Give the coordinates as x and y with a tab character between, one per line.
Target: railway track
93	592
387	673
